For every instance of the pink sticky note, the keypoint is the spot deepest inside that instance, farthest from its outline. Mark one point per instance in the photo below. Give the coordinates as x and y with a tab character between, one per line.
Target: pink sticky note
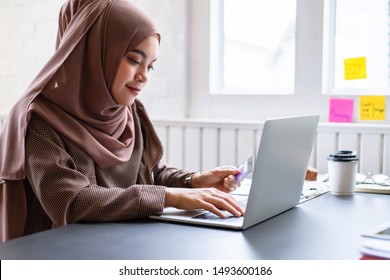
340	110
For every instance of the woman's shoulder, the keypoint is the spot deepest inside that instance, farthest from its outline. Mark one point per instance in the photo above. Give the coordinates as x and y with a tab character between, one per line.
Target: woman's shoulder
39	126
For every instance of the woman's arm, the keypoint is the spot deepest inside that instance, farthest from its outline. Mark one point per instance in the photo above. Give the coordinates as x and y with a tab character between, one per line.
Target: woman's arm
68	195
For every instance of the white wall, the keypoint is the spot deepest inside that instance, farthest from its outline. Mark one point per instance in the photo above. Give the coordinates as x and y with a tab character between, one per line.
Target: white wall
27	37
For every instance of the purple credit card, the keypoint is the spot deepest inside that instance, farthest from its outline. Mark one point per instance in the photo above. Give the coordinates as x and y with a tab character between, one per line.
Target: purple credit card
246	168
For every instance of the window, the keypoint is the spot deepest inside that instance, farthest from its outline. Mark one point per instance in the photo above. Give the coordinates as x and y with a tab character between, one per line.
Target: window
254	50
360	31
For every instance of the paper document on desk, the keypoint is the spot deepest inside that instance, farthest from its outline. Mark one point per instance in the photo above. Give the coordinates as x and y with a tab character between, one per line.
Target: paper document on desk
372	188
377	241
312	189
376	247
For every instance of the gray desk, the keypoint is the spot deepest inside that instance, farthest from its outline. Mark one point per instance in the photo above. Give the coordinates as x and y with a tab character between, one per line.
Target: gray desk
327	227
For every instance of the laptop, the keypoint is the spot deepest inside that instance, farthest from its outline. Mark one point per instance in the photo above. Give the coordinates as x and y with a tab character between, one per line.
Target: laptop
277	179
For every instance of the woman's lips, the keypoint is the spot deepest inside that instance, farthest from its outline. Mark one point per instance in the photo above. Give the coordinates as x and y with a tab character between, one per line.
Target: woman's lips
134	90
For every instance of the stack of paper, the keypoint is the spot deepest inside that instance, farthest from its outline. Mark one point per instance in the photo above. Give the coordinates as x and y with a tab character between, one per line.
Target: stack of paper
377	241
376	247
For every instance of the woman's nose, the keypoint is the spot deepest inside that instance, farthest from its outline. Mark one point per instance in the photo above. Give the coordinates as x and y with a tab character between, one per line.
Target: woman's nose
142	76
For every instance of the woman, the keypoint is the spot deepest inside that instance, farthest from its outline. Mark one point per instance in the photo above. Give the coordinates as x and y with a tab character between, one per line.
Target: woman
79	145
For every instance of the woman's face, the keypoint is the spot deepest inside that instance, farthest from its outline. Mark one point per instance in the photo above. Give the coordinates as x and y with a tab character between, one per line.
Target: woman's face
133	72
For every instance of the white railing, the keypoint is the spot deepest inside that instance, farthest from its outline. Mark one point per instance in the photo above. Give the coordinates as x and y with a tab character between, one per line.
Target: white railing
197	144
204	144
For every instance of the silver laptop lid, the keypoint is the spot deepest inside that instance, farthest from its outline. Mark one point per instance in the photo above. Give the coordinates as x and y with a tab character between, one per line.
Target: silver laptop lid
280	169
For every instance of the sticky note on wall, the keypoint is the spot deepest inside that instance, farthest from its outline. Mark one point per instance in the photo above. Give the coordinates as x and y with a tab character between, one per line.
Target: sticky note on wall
372	107
355	68
340	110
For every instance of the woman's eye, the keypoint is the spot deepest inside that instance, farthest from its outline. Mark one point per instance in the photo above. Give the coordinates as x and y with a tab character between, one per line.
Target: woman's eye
150	68
133	61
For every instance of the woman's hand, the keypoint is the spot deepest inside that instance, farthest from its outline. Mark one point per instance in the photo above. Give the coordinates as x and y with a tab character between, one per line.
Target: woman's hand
210	199
221	178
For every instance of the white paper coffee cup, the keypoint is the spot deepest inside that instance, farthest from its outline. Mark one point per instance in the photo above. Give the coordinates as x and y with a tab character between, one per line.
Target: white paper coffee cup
342	169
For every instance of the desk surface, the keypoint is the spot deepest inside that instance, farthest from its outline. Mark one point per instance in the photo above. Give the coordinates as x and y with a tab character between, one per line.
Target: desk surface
327	227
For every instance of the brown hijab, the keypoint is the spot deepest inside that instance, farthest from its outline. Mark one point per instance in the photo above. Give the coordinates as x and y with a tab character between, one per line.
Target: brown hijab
72	91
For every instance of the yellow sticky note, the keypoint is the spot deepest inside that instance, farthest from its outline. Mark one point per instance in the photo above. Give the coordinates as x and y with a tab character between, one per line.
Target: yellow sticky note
372	107
355	68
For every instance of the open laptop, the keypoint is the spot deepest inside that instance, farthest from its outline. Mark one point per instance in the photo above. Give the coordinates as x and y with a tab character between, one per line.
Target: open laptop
277	180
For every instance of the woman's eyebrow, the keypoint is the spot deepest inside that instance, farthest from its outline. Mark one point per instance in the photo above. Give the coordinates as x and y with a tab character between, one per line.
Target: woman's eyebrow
142	53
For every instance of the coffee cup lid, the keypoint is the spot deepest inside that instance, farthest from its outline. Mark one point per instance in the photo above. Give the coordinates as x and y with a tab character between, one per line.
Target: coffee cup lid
343	156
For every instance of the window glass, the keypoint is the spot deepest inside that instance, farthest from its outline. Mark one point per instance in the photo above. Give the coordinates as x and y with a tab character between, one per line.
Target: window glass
258	44
361	36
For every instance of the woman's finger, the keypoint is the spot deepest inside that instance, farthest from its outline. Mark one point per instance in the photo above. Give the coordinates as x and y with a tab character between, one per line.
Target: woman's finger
226	202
